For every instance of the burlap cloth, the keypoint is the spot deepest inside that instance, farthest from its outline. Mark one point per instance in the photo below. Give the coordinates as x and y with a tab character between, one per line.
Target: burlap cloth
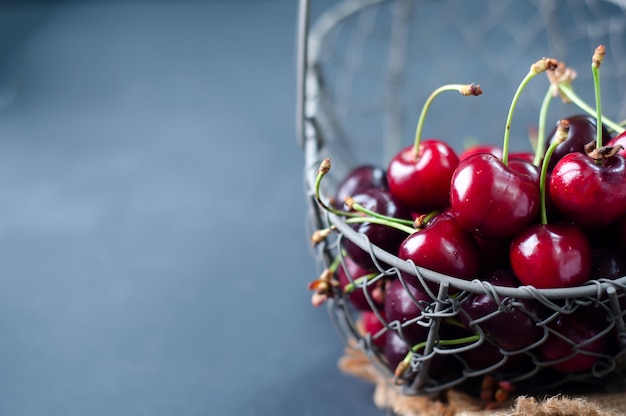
455	403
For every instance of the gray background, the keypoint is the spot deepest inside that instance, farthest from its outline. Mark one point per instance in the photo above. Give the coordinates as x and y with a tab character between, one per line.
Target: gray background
153	254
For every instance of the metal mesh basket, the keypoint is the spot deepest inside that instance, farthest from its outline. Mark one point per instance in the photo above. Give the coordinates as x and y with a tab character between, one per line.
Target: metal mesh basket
365	68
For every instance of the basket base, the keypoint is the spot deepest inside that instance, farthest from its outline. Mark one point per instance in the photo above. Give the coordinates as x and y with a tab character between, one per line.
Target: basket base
455	403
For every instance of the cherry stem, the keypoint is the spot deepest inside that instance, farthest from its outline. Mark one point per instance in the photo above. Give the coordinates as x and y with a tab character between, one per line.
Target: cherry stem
321	172
350	287
574	98
541	127
596	61
381	221
406	361
360	208
561	135
538	67
464	89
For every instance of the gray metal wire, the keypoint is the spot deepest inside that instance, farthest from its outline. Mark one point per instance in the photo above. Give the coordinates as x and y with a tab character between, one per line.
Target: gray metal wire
365	66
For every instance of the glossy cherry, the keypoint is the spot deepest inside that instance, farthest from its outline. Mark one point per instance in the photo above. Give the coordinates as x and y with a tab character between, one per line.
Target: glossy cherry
404	305
421	180
582	130
350	271
589	192
442	246
551	256
579	332
385	237
491	200
512	326
358	180
372	326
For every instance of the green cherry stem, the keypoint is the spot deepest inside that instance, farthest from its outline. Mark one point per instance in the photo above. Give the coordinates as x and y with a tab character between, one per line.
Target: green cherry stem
596	62
560	136
352	286
541	126
464	89
360	208
406	361
321	172
574	98
381	221
537	68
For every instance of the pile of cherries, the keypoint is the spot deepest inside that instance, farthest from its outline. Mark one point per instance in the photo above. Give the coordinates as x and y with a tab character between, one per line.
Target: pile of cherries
551	218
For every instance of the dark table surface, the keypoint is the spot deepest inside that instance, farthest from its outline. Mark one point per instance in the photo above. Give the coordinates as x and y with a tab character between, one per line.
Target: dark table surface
154	254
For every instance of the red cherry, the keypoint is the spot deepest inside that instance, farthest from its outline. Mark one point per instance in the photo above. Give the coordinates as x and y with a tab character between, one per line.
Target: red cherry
357	297
578	330
490	199
402	306
589	193
442	246
422	181
551	256
485	148
372	325
359	180
582	130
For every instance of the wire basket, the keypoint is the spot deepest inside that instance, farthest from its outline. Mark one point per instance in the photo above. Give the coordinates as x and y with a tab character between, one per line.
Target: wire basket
365	69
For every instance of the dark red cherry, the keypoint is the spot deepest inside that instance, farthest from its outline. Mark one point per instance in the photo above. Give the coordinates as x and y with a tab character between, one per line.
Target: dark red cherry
582	130
353	271
372	326
359	180
576	332
551	256
385	237
588	192
442	246
491	200
395	349
608	263
512	326
422	181
404	305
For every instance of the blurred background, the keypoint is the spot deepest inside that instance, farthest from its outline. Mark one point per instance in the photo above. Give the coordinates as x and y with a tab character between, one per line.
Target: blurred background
153	253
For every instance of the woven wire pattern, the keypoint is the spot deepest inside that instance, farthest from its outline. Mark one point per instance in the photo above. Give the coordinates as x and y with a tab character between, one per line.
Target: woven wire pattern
371	64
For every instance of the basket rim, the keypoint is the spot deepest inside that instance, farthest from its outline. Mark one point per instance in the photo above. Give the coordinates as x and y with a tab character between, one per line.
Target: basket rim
593	288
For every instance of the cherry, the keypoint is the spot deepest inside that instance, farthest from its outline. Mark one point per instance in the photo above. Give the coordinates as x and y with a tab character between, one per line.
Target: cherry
487	197
381	202
442	246
511	326
587	191
577	340
403	305
590	188
358	180
351	271
582	130
419	175
421	180
608	263
490	199
372	326
551	256
485	148
395	349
